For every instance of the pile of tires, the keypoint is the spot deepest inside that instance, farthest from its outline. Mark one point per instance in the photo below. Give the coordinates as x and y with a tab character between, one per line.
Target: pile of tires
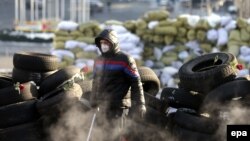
208	87
36	96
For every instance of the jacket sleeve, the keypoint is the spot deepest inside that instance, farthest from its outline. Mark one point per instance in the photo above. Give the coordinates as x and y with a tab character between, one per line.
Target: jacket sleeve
137	94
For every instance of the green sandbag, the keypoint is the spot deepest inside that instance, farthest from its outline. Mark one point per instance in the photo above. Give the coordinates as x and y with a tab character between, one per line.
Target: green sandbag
191	35
158	39
167	60
68	60
168	39
86	55
59	45
147	38
248	28
87	40
139	32
62	64
60	38
201	35
234	35
113	22
61	33
206	47
203	25
88	25
76	50
148	51
181	40
244	35
141	24
156	15
179	48
242	23
165	23
89	33
233	48
97	30
167	30
75	33
182	32
130	25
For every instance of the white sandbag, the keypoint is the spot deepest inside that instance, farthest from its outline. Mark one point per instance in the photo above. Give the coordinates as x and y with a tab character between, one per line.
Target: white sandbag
136	50
119	29
81	63
214	50
168	48
170	70
136	56
67	25
212	35
223	37
192	19
183	55
176	64
70	44
90	48
127	46
231	25
242	73
225	20
244	50
61	53
152	24
128	37
244	58
194	45
82	45
164	78
171	83
157	53
149	63
213	20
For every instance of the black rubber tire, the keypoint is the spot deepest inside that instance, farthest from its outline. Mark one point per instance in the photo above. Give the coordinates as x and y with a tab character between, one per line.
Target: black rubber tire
195	123
10	95
150	81
30	131
57	78
183	134
52	103
203	73
5	81
37	62
22	76
225	93
18	113
179	98
155	103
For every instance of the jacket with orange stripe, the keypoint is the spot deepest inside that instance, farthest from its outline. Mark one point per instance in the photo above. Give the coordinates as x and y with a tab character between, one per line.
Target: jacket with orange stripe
116	80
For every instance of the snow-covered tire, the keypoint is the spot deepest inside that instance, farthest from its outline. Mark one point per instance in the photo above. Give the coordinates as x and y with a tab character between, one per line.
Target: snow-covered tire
56	79
206	72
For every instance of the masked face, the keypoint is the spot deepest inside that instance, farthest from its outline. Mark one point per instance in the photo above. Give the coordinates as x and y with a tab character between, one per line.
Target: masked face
105	48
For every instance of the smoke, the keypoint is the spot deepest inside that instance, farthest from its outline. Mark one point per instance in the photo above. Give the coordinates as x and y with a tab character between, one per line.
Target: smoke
74	124
233	113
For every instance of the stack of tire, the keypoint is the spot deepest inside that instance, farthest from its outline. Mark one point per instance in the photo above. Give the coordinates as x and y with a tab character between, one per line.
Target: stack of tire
207	84
36	95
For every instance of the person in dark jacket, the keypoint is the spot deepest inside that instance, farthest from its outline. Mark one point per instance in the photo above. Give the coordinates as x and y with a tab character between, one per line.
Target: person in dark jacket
116	81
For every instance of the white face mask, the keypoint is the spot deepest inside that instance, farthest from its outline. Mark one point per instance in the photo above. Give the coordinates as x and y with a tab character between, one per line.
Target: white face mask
105	48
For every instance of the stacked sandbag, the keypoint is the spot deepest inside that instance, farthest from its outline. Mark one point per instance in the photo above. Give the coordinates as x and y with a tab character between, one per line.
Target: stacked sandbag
80	50
74	41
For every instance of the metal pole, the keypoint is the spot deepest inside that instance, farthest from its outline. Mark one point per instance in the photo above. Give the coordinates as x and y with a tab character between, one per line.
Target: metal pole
36	11
44	10
79	10
31	10
57	10
92	124
16	11
62	9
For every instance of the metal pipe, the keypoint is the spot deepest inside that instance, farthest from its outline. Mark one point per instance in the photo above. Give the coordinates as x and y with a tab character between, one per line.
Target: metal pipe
17	11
